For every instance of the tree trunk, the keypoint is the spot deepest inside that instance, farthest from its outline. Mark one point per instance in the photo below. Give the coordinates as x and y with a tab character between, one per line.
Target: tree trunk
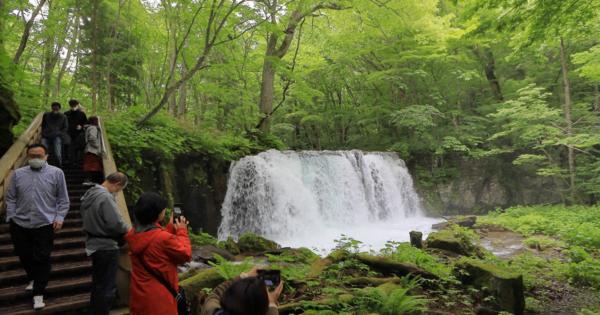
568	118
27	32
70	48
267	92
487	57
597	97
95	56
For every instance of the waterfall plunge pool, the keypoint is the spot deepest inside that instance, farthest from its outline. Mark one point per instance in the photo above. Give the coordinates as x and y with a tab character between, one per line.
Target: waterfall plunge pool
312	198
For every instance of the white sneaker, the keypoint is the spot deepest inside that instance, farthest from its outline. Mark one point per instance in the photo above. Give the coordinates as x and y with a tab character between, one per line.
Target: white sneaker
29	287
38	302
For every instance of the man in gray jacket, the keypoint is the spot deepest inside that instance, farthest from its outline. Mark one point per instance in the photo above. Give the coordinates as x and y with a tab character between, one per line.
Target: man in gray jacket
104	227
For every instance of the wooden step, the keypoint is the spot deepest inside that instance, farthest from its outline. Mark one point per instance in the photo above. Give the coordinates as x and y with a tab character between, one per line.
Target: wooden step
61	243
68	223
18	277
62	233
76	254
71	304
17	294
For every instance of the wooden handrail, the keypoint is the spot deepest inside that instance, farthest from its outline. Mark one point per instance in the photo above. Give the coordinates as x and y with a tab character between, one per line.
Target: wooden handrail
109	166
16	156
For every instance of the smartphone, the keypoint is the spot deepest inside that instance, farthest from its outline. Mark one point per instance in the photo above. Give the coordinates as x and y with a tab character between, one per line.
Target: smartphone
270	277
176	213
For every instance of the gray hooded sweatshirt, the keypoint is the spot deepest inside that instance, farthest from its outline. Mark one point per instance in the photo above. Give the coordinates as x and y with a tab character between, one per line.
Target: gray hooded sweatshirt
101	220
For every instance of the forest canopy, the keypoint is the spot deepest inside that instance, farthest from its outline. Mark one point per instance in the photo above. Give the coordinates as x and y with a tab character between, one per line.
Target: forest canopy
434	80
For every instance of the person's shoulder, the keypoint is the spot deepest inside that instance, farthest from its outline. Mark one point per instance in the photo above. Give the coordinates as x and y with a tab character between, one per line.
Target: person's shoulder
54	170
23	170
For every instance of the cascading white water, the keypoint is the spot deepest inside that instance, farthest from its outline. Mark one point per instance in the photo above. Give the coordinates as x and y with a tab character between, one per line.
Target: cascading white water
311	198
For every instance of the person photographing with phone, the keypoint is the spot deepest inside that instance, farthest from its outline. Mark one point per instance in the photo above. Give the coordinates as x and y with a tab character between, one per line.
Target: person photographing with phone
155	253
255	292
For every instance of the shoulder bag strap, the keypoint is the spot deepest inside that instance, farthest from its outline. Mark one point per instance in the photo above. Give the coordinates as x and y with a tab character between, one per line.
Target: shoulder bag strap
156	275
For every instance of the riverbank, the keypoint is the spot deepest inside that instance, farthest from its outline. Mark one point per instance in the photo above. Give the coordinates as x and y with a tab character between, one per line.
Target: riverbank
554	270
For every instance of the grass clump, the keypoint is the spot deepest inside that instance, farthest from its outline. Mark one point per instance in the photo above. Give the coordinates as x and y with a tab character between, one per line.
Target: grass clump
403	252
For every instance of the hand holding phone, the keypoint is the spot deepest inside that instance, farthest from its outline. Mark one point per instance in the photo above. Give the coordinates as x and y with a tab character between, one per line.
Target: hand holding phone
271	278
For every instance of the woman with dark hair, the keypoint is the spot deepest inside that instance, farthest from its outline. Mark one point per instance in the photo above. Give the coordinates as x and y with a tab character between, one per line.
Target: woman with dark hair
93	153
245	295
155	253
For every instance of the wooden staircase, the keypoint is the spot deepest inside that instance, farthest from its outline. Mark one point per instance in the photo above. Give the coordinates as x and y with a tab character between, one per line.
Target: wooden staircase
70	279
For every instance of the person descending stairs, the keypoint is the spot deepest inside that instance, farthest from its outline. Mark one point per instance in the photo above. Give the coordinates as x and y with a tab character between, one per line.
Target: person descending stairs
70	279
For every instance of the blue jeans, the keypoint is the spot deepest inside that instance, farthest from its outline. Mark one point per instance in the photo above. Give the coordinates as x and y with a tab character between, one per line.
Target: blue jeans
56	148
105	264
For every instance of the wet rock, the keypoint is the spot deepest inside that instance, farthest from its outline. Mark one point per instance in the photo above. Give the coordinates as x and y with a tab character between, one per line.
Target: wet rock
416	239
206	278
464	221
505	286
207	253
451	241
252	243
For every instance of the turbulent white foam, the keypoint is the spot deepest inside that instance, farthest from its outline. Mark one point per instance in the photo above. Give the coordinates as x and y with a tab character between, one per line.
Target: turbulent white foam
311	198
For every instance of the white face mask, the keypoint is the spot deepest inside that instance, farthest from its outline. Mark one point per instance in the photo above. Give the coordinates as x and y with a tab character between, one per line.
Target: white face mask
37	163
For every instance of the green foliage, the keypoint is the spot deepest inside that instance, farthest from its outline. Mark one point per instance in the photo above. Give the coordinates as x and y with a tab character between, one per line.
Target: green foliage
404	252
229	270
201	239
584	269
576	225
543	242
390	302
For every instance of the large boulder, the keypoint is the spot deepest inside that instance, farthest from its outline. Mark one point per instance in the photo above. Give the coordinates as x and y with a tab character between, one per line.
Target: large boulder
467	221
453	241
207	253
206	278
252	243
505	286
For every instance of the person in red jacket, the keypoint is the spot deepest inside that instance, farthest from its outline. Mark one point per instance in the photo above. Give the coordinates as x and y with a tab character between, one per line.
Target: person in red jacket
161	250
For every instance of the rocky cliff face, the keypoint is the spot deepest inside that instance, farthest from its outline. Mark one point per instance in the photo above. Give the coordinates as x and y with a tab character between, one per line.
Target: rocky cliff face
483	185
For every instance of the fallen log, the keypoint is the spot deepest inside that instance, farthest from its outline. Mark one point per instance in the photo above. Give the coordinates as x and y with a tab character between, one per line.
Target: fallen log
389	267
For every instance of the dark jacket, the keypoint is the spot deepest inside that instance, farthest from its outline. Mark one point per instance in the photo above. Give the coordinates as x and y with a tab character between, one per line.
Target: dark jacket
54	125
76	118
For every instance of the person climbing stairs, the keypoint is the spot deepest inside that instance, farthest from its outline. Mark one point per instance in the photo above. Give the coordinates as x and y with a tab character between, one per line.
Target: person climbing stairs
70	279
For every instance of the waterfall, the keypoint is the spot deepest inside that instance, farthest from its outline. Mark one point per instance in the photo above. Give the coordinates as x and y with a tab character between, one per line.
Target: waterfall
309	198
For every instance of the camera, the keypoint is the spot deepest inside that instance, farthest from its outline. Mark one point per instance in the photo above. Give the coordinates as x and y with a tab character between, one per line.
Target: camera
271	278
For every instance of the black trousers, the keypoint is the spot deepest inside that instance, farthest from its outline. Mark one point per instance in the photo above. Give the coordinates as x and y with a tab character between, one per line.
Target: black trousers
34	246
105	264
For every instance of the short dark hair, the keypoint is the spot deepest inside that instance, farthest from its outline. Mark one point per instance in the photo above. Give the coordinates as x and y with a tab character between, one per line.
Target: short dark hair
54	104
94	121
37	145
148	207
117	178
246	297
73	102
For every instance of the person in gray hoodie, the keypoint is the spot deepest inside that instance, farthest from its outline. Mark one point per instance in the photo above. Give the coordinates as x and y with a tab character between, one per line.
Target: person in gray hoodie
105	228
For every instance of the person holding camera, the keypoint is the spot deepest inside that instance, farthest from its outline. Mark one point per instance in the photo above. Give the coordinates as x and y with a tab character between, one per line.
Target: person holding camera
155	253
105	229
247	294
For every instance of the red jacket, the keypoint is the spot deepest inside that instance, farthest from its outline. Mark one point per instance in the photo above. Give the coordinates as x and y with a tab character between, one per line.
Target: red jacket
163	250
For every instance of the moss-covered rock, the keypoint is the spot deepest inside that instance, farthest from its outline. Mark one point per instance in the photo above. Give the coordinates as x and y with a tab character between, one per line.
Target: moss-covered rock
453	240
252	243
504	285
229	245
207	253
206	278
